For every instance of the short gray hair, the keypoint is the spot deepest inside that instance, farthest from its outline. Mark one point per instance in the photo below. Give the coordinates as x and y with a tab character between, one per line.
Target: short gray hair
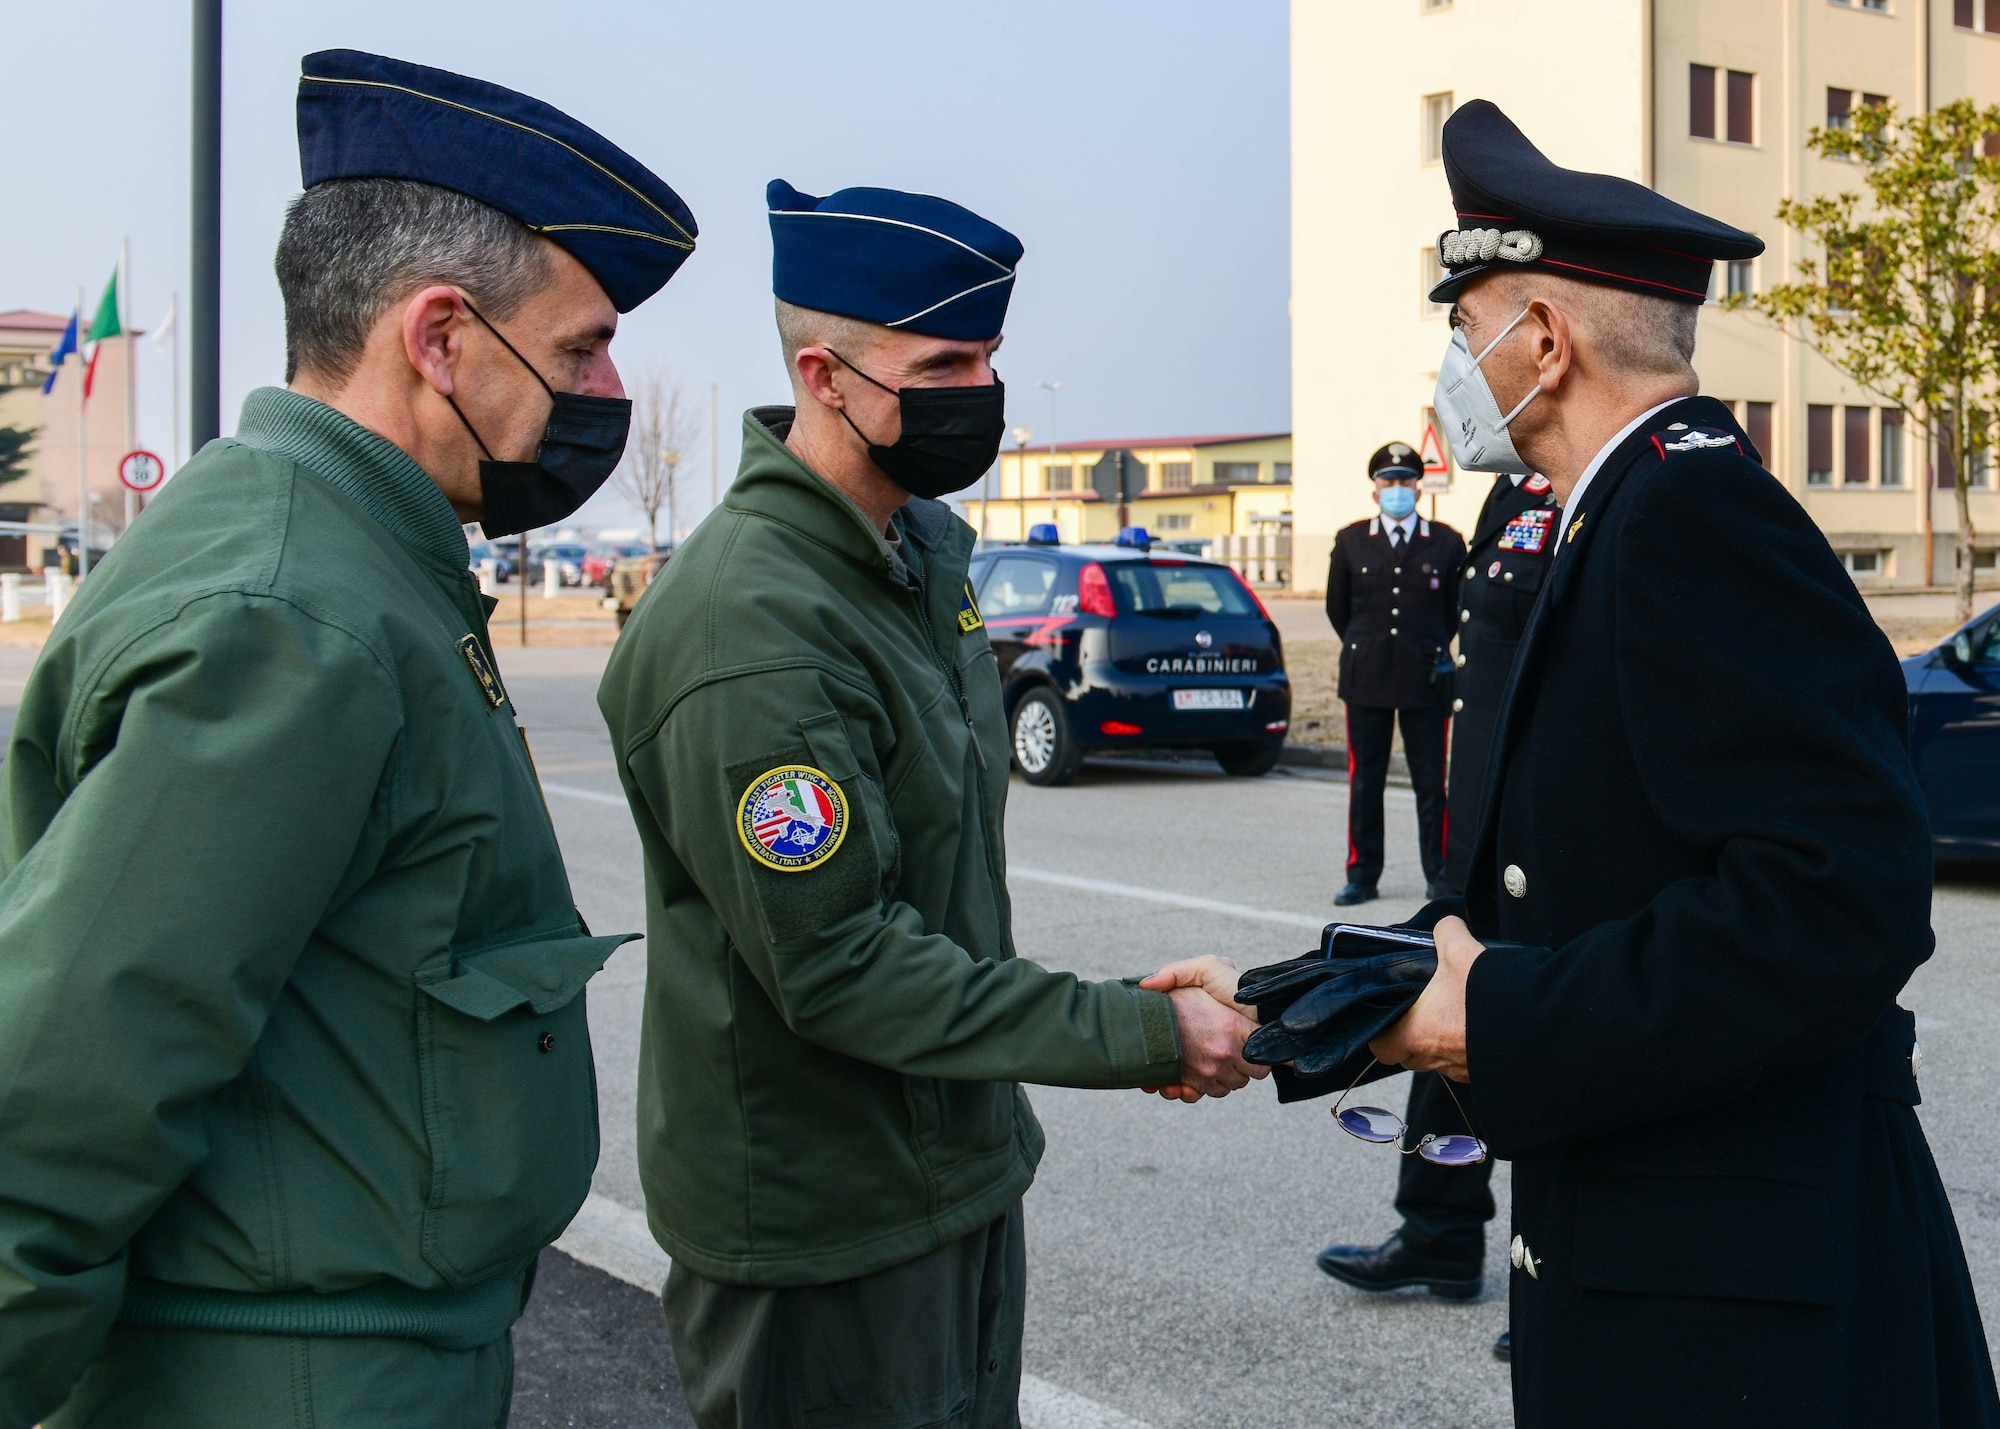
351	248
1633	333
809	327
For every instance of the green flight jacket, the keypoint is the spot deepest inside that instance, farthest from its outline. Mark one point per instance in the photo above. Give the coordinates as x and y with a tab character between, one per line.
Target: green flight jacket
830	1049
291	1029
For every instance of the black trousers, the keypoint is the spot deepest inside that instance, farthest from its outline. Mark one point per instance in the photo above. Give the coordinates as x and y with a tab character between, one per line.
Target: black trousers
1444	1208
1370	730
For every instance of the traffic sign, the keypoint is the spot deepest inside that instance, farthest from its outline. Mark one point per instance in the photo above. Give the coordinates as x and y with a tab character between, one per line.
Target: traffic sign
1437	469
141	471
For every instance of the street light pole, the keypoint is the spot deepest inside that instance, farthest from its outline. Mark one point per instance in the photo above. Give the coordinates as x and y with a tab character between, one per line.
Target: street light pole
1022	436
1052	388
205	237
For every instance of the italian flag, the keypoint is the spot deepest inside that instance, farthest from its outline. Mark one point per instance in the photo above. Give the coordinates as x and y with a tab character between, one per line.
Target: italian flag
104	325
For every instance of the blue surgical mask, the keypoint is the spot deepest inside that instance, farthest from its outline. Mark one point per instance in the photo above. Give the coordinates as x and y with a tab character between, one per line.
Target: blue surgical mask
1398	502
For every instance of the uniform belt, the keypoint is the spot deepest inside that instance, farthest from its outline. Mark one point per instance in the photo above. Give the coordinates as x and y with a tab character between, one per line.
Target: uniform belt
462	1319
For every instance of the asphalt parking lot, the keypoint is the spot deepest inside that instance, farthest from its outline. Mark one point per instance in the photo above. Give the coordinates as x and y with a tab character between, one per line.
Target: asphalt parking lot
1170	1247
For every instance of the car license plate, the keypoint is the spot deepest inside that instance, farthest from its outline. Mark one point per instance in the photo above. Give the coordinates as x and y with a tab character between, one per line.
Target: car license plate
1208	699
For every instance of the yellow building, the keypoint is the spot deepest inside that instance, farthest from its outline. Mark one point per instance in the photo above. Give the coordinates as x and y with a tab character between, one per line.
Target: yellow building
50	487
1179	488
1708	101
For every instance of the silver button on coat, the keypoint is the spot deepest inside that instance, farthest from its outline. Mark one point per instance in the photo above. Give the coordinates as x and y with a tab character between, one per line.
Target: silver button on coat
1515	880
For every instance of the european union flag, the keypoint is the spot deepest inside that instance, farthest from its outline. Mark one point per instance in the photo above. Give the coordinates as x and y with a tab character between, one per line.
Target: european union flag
63	349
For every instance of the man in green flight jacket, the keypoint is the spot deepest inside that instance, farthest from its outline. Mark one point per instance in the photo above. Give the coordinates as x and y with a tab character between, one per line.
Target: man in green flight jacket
296	1079
807	719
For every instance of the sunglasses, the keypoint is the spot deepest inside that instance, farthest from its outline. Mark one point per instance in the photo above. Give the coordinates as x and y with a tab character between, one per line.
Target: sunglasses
1383	1127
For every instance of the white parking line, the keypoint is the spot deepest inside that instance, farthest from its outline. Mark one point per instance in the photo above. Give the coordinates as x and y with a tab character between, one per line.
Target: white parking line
1170	900
615	1239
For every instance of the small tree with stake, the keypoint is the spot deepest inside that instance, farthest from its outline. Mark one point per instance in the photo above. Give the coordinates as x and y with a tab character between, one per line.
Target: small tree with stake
666	428
1904	296
16	446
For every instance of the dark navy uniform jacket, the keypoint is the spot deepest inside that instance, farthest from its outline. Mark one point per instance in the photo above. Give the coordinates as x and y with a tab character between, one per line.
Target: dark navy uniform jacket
1393	611
1509	553
1703	807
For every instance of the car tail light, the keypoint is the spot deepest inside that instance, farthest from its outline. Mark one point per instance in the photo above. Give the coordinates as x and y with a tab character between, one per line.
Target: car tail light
1118	726
1277	726
1251	593
1093	594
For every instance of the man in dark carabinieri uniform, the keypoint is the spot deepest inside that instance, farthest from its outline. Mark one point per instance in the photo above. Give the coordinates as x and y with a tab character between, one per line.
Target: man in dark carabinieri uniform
1704	835
1391	588
1442	1241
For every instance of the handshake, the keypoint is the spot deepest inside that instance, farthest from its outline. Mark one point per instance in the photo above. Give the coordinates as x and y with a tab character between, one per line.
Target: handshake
1213	1028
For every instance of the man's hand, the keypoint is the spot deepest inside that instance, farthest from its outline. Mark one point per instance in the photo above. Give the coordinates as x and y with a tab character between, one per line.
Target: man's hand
1212	1027
1430	1037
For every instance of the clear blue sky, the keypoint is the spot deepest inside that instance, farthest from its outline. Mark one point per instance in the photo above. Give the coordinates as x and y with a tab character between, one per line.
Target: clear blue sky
1138	147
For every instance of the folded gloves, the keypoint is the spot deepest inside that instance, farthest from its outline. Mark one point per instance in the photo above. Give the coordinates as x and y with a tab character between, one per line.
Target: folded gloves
1320	1012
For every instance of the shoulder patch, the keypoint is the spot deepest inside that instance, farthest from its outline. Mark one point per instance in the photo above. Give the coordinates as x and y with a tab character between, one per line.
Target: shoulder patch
792	818
968	612
1528	531
1694	439
483	673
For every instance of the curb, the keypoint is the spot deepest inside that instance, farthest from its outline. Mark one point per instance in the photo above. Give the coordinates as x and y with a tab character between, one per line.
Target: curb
1334	757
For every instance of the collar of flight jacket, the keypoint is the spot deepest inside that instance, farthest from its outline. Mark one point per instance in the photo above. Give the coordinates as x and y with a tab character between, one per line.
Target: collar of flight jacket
370	470
773	482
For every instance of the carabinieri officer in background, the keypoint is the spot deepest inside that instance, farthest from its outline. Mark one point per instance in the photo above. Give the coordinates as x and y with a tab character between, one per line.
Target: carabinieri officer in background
1705	848
806	716
1441	1243
298	1078
1392	594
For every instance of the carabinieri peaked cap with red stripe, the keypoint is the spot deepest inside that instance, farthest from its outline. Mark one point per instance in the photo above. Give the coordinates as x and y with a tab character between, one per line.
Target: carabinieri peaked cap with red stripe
1518	210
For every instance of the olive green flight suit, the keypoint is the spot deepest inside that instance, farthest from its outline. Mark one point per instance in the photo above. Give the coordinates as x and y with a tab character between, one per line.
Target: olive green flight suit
295	1079
835	1023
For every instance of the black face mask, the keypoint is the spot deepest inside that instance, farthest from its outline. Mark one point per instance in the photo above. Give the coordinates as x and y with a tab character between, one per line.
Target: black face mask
581	445
950	435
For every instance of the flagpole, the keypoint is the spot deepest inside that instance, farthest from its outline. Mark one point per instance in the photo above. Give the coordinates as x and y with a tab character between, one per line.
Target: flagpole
131	369
82	460
174	346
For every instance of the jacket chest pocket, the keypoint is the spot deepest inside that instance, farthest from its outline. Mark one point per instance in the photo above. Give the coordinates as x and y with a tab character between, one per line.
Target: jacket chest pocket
509	1100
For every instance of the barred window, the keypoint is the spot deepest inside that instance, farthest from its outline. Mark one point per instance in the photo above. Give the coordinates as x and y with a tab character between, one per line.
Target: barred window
1176	475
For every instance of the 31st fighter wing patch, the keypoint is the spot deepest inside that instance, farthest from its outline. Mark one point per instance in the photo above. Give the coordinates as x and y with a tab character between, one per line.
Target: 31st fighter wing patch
968	613
1693	439
792	818
1529	531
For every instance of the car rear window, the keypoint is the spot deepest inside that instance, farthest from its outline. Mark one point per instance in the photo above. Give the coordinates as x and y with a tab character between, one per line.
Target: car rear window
1159	588
1019	585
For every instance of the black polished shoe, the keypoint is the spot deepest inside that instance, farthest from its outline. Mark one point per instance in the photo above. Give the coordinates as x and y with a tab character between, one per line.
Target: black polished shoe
1395	1266
1355	893
1503	1348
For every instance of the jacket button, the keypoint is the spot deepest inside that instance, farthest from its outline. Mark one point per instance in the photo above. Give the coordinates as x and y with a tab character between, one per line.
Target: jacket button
1461	662
1515	880
1508	576
1457	705
1395	590
1399	570
546	1042
1392	630
1463	616
1395	610
1916	1058
1468	572
1515	1252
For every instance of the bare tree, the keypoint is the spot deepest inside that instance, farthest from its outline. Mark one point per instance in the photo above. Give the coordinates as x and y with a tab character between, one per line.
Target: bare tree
667	428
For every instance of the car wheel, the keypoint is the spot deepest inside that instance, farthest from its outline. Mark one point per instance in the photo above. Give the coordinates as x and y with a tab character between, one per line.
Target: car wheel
1247	761
1044	750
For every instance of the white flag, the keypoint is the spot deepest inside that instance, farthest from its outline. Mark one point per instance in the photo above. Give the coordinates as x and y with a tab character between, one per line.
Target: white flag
166	326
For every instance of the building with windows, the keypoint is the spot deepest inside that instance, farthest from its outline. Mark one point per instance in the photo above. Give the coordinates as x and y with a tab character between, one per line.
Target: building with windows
1178	488
48	493
1708	101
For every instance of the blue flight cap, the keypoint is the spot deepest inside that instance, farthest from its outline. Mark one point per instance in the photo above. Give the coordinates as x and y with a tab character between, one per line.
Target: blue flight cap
902	260
1518	210
364	116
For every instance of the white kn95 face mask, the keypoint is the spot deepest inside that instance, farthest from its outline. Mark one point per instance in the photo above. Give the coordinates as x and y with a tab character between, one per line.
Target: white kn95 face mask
1470	413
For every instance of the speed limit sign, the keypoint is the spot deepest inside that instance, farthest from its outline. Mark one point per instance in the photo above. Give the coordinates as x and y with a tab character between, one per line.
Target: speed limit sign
141	471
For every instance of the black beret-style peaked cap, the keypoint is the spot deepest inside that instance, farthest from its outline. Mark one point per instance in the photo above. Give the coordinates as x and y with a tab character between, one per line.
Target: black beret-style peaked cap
369	116
1518	210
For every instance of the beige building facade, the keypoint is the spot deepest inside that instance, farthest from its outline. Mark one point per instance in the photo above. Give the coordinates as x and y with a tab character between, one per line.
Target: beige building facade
1181	488
50	488
1708	101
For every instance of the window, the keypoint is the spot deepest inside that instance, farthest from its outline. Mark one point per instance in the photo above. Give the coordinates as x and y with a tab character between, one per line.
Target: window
1430	273
1235	473
1740	278
1890	463
1862	563
1019	585
1060	477
1979	460
1839	105
1157	587
1436	109
1427	6
1757	426
1880	7
1855	471
1281	472
1701	101
1962	15
1742	97
1176	475
1819	446
1175	521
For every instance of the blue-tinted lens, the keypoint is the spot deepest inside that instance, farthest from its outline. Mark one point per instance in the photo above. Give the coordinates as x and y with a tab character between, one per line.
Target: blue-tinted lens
1371	1123
1454	1151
